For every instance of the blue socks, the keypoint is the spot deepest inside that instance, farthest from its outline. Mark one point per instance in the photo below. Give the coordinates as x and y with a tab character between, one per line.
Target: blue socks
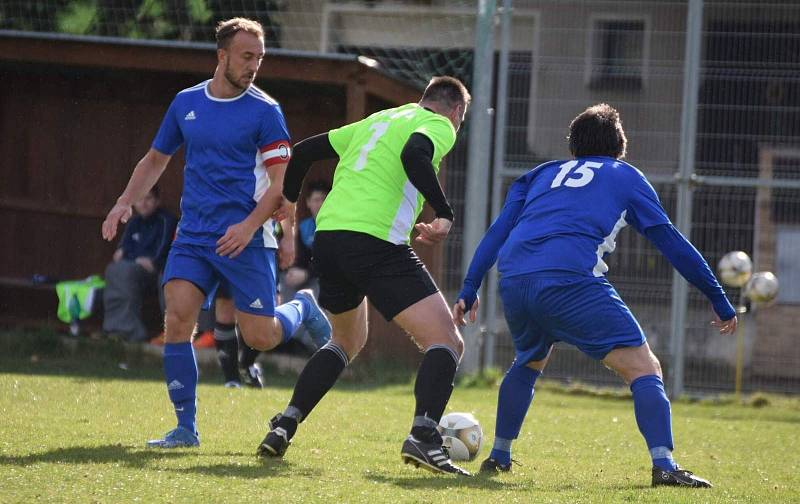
180	371
650	404
290	316
654	417
513	401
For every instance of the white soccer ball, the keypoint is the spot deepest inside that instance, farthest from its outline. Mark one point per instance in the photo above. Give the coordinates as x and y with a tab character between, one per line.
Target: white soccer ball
735	268
462	435
762	287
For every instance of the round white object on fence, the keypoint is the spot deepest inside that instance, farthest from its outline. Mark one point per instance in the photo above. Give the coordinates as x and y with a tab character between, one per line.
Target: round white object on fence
762	288
735	268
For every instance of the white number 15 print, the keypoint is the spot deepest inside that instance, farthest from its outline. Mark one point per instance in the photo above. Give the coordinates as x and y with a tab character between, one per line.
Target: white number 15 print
584	170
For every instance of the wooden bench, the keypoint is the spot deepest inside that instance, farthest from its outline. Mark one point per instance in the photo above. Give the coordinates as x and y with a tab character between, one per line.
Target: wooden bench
24	303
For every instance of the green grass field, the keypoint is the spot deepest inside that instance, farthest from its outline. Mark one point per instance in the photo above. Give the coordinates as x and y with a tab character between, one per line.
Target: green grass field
73	431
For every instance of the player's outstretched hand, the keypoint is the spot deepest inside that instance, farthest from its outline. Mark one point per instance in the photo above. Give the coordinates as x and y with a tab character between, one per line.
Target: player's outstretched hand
459	310
235	239
726	326
286	210
434	232
120	213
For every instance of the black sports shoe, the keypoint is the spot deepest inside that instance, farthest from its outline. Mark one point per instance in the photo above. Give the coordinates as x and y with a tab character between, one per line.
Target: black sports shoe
430	456
491	466
276	442
678	477
253	376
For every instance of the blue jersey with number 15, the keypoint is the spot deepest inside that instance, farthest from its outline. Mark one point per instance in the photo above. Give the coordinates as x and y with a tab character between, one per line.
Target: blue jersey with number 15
572	212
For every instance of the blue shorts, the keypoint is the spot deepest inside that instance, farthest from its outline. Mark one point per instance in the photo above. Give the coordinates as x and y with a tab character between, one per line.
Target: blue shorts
586	312
250	276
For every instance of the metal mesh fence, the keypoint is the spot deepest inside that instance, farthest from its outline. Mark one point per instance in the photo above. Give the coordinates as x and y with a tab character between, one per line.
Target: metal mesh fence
630	54
413	40
565	55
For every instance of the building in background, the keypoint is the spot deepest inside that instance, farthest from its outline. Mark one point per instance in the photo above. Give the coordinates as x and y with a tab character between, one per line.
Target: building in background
564	55
568	54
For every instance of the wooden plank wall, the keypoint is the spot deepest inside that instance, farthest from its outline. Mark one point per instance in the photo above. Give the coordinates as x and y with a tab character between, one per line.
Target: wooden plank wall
70	135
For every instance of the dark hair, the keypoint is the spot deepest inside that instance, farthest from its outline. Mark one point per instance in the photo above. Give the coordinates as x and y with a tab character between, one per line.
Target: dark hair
317	185
155	191
597	131
227	29
447	90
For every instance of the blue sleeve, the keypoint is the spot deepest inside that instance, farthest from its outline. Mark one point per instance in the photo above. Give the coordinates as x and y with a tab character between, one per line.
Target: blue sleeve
169	137
307	229
486	253
644	207
691	265
273	128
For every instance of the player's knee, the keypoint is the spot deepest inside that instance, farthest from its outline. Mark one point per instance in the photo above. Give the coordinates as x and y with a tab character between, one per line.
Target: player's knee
656	366
352	343
453	341
178	327
261	340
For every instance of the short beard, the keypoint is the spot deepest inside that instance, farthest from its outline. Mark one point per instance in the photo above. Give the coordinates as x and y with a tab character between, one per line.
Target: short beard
231	79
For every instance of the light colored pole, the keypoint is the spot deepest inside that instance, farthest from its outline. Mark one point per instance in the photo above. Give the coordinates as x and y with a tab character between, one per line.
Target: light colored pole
480	137
498	170
684	179
740	333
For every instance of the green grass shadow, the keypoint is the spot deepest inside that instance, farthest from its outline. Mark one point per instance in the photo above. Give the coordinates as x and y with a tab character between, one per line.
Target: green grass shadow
440	482
103	454
258	469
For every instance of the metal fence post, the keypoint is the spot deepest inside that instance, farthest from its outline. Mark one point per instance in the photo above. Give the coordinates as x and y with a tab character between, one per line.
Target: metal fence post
684	178
480	138
498	170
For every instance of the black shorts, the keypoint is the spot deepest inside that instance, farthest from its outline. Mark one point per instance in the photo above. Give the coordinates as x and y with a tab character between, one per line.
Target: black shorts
352	265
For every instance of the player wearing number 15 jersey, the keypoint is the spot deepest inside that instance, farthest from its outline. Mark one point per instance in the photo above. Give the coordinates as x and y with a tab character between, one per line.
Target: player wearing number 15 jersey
558	223
387	165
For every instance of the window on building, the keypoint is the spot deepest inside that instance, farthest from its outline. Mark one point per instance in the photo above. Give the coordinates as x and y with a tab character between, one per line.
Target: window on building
617	53
788	267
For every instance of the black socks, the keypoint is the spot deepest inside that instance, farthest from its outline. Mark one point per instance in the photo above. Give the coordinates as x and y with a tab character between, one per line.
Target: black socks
227	351
317	378
432	390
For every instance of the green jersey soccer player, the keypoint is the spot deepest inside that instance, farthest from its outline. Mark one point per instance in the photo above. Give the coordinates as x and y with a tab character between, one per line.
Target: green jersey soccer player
388	165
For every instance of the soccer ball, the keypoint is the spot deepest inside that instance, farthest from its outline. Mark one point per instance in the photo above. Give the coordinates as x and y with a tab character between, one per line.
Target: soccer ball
462	435
762	287
735	268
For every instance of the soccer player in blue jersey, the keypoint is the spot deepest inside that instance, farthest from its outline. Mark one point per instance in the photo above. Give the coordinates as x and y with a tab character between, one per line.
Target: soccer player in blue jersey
559	222
237	149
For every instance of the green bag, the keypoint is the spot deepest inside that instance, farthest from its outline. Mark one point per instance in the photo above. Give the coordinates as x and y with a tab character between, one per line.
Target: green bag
75	298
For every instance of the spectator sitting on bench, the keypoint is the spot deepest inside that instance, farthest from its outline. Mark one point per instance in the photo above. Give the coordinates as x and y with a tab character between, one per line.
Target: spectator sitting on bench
136	268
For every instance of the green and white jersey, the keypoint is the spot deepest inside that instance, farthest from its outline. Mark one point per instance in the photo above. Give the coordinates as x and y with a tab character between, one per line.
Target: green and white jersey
371	193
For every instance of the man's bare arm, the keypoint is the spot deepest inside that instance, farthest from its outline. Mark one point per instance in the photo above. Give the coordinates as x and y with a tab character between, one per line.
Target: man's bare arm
147	172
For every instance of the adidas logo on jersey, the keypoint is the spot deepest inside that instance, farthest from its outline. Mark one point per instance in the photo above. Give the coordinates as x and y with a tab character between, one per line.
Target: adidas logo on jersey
256	304
175	385
190	116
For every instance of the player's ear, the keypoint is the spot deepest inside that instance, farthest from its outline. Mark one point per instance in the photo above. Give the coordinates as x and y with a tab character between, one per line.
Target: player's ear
221	55
457	115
